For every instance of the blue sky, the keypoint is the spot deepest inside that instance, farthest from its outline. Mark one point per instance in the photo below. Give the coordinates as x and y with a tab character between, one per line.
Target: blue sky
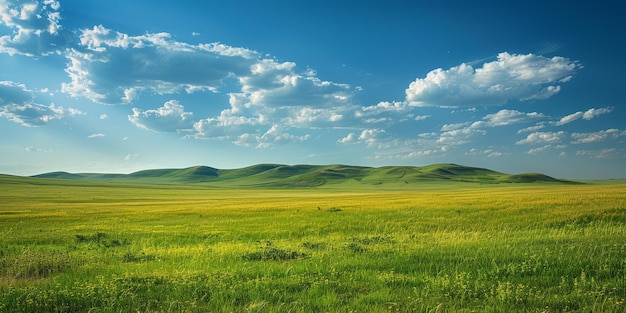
121	86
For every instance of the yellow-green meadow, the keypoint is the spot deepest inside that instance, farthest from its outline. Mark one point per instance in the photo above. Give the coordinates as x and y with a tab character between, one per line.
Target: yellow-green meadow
76	246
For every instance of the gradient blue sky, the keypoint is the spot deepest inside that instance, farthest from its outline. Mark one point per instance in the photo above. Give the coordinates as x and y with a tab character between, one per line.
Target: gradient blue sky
121	86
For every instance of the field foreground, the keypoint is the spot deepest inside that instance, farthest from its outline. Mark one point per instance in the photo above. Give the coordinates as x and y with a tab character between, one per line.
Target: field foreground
105	247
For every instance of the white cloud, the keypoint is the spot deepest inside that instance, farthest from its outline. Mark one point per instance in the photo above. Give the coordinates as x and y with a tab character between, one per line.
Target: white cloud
131	156
112	67
171	117
276	85
103	116
449	127
592	113
586	115
35	149
569	118
371	137
422	153
581	138
598	154
386	107
531	128
351	137
229	126
510	77
384	112
17	104
275	135
36	28
312	117
506	117
429	144
458	136
542	137
96	135
273	93
539	150
490	153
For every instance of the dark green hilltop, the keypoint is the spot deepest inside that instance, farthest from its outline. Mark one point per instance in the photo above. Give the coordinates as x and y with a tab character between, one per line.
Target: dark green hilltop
278	175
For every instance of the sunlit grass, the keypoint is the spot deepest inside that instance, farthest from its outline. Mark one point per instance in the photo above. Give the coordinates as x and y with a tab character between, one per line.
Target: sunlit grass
505	248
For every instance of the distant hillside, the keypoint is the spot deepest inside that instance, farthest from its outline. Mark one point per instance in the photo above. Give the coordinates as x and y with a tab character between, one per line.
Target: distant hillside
279	175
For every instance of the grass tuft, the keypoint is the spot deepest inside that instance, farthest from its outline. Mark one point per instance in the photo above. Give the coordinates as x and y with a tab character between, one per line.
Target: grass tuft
271	253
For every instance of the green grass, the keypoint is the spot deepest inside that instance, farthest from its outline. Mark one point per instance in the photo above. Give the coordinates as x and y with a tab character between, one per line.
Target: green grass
77	246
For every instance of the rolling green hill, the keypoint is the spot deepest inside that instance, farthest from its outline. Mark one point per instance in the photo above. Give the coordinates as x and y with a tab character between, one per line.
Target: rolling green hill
279	175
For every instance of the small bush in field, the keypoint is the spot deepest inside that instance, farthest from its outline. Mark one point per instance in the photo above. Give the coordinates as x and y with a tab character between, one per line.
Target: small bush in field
271	253
141	257
101	240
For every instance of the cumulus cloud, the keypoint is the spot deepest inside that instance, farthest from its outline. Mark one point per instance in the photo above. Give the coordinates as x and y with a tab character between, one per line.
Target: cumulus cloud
171	117
510	77
506	117
35	25
490	153
453	126
275	135
385	112
586	115
539	149
531	128
581	138
17	104
542	137
114	68
592	113
351	137
35	149
569	118
458	136
131	156
111	67
423	153
227	127
274	93
598	154
96	135
371	137
272	84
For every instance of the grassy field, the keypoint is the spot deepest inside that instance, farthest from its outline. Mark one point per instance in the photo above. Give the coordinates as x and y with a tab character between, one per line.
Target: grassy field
75	246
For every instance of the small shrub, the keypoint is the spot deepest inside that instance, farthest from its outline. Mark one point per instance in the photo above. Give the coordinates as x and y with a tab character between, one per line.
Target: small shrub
100	240
355	247
313	245
271	253
373	240
134	258
97	238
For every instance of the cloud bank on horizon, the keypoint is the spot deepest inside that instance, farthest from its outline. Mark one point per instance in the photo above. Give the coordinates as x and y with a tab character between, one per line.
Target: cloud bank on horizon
214	92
